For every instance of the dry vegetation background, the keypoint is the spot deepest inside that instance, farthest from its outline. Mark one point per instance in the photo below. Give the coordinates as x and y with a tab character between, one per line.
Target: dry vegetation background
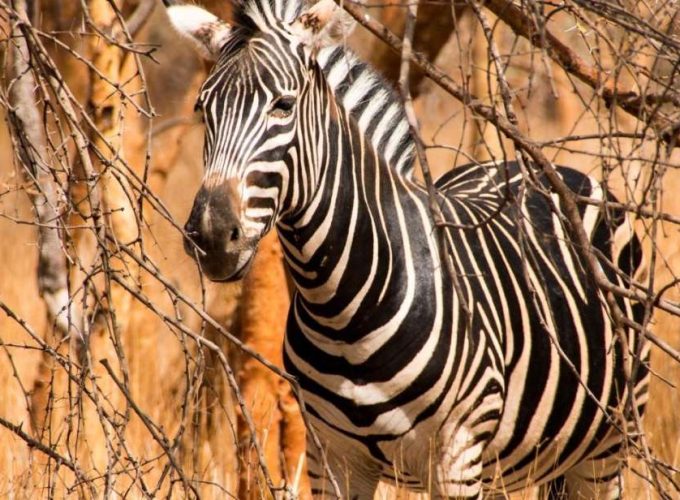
139	387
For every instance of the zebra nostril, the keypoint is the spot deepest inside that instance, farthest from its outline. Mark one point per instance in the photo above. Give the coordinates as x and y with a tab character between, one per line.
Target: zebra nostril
193	235
235	234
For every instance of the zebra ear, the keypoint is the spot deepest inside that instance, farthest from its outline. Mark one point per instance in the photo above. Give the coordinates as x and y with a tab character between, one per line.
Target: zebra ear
323	24
204	30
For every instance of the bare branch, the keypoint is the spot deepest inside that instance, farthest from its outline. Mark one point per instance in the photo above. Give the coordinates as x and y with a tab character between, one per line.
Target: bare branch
26	120
613	92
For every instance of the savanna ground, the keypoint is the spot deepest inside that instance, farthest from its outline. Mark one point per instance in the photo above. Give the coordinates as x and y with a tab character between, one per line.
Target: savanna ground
145	391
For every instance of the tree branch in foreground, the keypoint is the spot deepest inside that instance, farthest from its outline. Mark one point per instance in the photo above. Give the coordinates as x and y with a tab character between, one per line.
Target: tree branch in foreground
31	145
642	107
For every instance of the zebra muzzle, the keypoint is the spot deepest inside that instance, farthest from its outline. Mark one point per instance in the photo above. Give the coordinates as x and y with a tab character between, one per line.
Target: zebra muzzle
213	235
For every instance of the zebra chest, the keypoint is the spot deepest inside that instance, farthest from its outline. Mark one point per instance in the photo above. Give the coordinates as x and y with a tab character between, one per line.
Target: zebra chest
388	381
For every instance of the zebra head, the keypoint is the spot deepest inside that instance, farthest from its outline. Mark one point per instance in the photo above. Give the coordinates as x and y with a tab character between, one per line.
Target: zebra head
251	103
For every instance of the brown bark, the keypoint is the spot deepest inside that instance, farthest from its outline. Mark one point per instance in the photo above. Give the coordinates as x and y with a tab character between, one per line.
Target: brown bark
47	197
264	309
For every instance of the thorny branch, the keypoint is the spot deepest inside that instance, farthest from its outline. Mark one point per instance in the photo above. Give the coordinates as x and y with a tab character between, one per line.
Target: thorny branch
641	106
72	155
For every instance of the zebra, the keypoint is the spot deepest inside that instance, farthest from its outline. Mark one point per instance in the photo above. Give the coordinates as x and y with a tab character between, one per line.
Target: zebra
514	377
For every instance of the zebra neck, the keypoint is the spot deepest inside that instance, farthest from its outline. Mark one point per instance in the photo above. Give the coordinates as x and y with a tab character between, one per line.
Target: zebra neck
356	241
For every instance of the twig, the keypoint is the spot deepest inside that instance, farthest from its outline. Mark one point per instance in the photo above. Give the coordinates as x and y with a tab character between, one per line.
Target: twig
27	123
612	92
47	450
435	209
151	426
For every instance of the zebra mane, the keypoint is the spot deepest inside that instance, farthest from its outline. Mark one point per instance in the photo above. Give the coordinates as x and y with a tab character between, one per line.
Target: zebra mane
262	14
373	103
369	99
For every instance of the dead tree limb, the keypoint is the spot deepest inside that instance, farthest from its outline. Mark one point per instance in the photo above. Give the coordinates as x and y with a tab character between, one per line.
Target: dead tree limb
31	145
613	93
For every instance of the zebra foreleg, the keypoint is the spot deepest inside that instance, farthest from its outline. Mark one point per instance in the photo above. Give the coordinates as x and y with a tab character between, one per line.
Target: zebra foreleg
459	472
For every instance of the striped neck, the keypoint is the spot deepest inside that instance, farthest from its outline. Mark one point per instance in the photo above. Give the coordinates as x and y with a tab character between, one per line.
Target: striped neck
354	211
372	103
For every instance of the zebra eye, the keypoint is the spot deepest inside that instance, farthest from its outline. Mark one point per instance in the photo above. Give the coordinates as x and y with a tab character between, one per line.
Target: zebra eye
283	106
